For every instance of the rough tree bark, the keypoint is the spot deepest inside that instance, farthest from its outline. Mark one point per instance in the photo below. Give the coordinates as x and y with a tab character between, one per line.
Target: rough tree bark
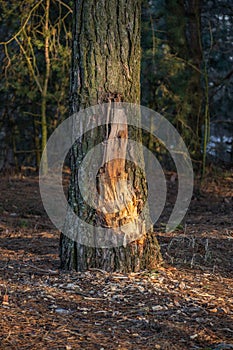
106	68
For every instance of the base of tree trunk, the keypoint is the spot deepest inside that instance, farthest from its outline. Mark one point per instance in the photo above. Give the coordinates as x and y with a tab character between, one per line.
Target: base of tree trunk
139	255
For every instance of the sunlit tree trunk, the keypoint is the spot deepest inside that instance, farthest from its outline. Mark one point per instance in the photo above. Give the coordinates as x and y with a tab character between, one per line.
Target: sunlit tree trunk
106	68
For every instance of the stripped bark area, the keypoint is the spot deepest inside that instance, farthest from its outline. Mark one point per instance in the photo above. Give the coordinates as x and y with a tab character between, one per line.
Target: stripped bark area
106	69
117	199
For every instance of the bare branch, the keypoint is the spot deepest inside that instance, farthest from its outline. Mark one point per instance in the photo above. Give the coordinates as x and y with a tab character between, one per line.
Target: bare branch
23	26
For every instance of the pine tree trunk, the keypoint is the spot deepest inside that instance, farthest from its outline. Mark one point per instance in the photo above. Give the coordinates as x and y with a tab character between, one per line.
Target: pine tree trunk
106	68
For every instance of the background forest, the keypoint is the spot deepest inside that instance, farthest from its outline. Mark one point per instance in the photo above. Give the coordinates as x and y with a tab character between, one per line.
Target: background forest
186	75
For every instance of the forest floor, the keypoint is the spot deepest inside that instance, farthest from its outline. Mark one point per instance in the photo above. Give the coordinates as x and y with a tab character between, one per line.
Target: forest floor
186	304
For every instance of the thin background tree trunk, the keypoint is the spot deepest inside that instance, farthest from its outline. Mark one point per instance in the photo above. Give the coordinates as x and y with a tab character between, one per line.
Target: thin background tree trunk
183	19
45	87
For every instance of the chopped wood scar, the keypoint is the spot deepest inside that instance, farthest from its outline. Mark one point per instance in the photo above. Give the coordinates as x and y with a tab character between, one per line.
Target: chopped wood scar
117	198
